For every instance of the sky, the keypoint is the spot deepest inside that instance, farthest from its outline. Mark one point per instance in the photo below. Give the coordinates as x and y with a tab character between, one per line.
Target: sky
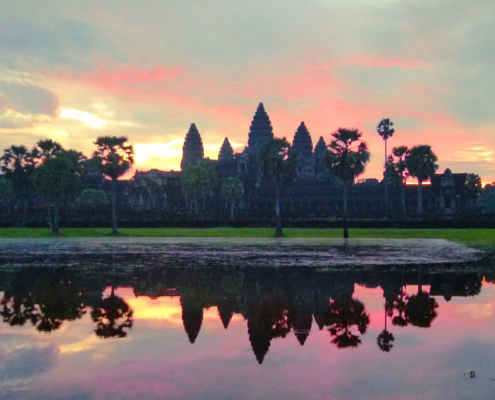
74	70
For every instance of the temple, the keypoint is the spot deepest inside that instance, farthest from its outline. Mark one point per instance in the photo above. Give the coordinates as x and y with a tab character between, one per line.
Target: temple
312	195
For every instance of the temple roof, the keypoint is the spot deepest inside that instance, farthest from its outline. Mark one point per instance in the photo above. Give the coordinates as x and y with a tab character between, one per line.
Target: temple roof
302	144
226	151
260	131
193	150
321	146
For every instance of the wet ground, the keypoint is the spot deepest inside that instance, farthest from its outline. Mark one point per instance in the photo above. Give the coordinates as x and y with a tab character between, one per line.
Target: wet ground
246	252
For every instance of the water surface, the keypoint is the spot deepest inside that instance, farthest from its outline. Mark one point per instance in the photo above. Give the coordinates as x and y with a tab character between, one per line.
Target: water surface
218	320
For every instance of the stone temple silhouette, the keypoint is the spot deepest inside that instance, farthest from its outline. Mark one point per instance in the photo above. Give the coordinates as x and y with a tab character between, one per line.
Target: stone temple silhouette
312	195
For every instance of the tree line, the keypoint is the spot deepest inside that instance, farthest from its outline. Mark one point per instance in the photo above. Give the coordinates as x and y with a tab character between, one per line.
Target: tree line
55	174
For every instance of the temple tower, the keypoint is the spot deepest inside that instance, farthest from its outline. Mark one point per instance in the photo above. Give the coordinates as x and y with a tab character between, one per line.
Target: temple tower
260	131
320	149
303	147
193	150
226	165
226	153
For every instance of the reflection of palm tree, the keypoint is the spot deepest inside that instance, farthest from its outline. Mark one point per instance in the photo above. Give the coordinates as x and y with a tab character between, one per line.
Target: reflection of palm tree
384	341
400	305
385	338
346	313
113	317
420	310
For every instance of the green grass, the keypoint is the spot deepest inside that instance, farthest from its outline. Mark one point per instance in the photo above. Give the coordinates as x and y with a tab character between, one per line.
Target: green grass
484	238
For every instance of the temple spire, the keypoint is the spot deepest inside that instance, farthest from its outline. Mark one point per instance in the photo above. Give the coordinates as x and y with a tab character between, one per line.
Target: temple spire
193	150
303	147
226	151
320	149
260	131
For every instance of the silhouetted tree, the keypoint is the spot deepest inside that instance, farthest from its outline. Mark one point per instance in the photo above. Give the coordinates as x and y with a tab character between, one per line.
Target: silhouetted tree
346	159
277	160
400	154
385	130
18	166
233	193
112	316
421	308
57	178
346	313
474	187
385	338
198	180
114	157
421	164
6	194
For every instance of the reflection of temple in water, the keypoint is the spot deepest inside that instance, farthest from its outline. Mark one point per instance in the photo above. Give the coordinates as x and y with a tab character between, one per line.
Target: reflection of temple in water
274	303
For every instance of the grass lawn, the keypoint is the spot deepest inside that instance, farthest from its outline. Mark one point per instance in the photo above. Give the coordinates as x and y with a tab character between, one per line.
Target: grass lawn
472	237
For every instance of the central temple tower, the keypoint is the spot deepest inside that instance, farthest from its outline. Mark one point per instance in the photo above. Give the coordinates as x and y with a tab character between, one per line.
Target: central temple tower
260	131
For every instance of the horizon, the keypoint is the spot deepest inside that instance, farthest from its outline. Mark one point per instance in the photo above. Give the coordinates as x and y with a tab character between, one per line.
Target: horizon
75	72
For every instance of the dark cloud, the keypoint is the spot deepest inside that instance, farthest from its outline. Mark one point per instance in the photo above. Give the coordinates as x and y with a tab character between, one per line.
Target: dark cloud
70	42
27	99
27	362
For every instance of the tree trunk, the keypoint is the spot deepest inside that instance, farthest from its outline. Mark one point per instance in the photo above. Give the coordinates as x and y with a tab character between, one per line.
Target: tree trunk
232	207
24	213
278	221
420	198
49	216
403	198
420	279
386	182
56	220
346	231
114	207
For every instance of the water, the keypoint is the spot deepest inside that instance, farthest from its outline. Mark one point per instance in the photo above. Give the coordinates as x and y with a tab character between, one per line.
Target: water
219	319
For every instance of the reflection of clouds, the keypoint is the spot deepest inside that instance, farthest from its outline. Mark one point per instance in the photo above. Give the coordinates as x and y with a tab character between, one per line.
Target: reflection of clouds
88	343
475	311
168	309
26	362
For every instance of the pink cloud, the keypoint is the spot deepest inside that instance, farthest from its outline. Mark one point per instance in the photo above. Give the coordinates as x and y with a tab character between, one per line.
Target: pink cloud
377	62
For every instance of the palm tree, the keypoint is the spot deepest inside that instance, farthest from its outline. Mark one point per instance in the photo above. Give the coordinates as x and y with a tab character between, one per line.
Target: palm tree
277	160
421	163
385	130
401	153
346	159
114	158
232	192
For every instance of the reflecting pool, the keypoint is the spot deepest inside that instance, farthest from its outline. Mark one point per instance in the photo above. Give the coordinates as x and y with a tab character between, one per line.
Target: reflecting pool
212	322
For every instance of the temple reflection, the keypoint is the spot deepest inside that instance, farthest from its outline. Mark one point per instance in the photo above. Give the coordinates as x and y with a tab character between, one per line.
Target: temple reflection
273	302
